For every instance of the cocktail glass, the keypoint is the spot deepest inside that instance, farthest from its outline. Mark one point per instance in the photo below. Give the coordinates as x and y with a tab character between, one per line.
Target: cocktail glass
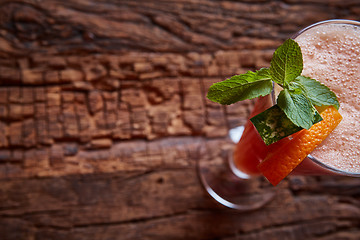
234	182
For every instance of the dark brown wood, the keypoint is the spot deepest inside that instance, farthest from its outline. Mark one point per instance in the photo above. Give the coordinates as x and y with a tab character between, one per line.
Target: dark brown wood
103	116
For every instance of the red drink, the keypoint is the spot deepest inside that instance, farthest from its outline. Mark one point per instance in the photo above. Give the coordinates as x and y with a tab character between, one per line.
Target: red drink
251	149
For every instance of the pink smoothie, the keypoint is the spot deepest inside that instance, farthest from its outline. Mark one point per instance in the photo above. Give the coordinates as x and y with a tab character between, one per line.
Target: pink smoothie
331	54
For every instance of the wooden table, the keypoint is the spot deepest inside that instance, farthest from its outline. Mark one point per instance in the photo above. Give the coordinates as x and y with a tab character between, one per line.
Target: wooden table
103	117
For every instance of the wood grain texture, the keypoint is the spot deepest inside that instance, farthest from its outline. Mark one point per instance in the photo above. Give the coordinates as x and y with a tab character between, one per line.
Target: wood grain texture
103	117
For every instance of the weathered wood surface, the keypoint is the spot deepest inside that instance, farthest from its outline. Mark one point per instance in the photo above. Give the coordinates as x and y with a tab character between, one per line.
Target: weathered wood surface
103	117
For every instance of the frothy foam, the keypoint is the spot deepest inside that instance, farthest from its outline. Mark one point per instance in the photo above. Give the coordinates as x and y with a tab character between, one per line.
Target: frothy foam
331	54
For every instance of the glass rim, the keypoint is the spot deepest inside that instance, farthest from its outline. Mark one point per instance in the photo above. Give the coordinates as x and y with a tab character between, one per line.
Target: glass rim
331	21
312	158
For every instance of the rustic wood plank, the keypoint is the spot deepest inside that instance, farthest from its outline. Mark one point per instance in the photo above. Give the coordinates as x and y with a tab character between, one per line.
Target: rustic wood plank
161	205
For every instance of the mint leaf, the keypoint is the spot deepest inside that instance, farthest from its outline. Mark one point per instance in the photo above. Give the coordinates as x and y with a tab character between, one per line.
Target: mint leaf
287	63
240	87
263	73
317	93
297	107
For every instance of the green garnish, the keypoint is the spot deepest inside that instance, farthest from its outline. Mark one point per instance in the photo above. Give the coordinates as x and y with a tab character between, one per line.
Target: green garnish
296	103
240	87
287	63
318	93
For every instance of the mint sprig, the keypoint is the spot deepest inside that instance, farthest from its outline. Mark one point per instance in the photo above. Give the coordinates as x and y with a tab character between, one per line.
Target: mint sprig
297	100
